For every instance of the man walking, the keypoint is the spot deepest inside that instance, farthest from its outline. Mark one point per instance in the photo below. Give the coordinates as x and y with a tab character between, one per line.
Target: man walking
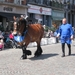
66	35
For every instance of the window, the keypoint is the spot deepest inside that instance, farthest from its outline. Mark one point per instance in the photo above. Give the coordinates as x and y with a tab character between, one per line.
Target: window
23	2
10	1
45	2
31	15
41	1
17	1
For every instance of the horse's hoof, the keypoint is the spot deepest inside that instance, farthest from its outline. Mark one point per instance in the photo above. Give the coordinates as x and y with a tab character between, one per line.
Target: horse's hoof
24	57
37	53
28	52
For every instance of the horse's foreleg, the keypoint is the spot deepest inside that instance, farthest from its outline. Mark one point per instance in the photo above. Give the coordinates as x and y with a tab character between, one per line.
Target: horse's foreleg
24	56
25	52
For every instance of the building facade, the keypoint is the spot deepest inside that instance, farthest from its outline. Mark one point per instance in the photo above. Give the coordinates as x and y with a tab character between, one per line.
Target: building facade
38	10
10	8
47	12
57	12
42	14
70	11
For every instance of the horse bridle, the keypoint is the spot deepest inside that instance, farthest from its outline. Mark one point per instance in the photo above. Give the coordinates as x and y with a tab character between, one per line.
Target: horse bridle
25	26
25	31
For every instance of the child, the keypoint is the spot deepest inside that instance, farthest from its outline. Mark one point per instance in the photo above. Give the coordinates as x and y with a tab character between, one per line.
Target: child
1	41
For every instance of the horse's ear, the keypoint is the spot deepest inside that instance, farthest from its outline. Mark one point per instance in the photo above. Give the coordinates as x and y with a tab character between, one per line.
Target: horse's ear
26	17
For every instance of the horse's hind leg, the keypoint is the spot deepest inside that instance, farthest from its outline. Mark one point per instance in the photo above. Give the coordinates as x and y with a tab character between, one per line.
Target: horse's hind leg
38	51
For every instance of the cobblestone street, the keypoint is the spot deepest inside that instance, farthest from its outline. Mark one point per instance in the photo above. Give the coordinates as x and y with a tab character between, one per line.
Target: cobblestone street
49	63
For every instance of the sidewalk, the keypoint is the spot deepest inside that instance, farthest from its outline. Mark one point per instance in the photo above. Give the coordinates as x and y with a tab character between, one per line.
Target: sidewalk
49	63
44	41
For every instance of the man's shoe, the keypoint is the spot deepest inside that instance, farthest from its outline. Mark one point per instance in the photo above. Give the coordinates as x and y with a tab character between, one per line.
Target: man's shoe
69	54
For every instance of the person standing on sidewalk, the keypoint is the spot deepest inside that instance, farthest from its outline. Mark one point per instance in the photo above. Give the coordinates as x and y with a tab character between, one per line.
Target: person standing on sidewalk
66	35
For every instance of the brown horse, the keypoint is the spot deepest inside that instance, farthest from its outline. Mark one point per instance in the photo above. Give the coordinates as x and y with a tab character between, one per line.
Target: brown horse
31	33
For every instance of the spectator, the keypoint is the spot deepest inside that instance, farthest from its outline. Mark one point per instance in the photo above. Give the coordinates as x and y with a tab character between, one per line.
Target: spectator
55	34
11	36
51	34
1	41
6	36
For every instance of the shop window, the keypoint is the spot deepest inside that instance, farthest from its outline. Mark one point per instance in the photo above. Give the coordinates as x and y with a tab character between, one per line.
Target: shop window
31	15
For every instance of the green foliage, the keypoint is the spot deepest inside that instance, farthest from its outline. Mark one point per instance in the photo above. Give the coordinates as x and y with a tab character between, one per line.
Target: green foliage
53	29
46	28
49	28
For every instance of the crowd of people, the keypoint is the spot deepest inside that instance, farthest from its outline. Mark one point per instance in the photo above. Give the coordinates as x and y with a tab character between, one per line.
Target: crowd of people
51	33
6	36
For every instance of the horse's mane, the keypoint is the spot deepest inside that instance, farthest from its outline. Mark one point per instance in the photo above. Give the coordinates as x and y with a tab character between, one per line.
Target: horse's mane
25	25
23	21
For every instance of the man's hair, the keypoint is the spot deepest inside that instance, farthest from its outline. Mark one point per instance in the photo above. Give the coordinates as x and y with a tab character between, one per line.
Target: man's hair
64	19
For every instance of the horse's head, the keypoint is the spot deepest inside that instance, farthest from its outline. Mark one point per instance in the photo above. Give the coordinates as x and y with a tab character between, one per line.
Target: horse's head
21	26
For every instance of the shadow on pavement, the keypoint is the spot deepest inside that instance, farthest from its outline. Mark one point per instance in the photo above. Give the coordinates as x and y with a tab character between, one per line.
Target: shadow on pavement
43	56
72	54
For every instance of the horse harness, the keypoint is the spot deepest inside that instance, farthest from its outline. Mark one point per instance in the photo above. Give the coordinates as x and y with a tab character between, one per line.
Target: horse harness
26	32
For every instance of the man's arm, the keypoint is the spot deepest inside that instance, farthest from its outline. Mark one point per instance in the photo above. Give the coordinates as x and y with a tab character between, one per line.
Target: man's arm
71	32
59	32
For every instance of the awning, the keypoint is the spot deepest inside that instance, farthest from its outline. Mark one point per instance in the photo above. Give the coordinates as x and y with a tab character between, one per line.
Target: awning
9	16
57	18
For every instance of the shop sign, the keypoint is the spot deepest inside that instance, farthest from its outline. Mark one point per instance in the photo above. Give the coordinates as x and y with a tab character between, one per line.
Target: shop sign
7	9
39	10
